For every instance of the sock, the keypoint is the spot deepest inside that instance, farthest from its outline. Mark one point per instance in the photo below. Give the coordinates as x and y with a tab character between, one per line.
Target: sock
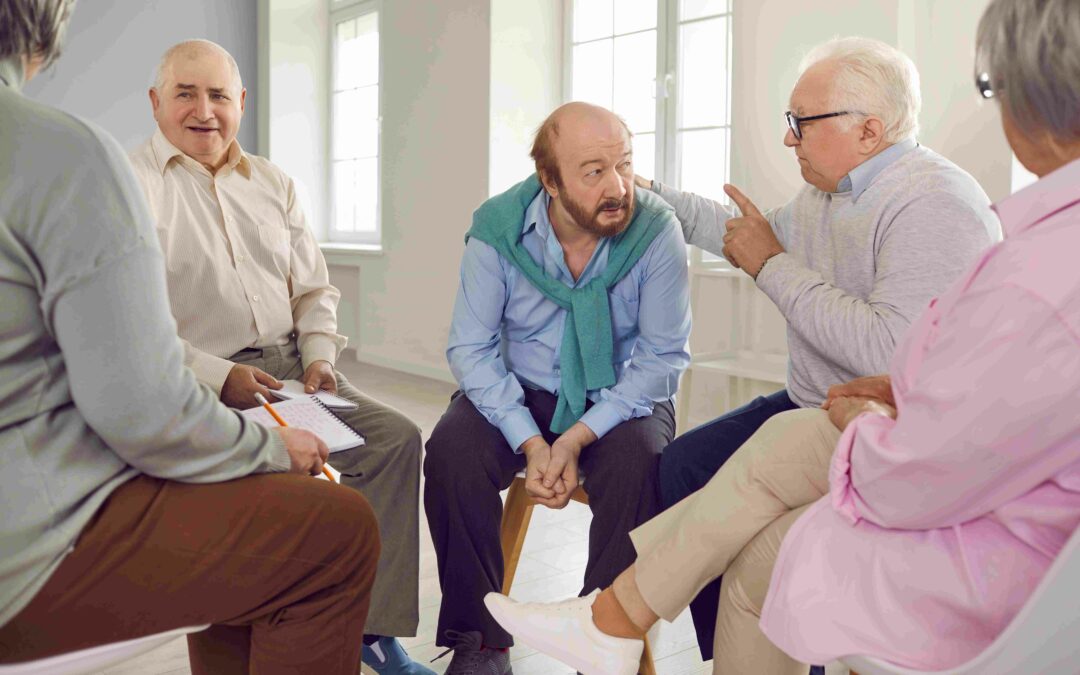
610	617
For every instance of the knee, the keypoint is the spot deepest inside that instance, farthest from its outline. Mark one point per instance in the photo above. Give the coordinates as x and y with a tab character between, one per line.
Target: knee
353	521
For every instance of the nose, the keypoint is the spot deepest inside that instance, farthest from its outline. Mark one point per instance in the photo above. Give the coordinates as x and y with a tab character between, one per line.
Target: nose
203	110
789	139
615	185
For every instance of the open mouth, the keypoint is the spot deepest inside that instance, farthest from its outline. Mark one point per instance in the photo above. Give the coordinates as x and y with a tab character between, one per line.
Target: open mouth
202	130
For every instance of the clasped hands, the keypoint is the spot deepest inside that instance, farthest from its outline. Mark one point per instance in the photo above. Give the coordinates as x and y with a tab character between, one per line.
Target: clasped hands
871	394
551	471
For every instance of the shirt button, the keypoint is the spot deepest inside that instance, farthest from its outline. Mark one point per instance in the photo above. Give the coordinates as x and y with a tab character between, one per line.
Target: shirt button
240	258
255	298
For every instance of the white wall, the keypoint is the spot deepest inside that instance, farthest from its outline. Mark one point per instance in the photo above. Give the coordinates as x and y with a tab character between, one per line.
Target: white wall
293	85
526	83
113	47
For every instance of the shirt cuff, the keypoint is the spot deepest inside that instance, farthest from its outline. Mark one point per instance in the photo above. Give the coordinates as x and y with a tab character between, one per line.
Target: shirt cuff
318	348
602	418
518	427
211	370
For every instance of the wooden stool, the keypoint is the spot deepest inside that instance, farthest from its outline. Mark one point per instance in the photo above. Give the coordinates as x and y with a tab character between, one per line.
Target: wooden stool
517	512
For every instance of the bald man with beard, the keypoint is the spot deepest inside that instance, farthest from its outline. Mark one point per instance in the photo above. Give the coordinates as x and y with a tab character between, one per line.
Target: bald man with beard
569	335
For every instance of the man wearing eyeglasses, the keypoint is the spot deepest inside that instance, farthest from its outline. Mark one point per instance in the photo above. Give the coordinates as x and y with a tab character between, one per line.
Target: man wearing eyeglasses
882	226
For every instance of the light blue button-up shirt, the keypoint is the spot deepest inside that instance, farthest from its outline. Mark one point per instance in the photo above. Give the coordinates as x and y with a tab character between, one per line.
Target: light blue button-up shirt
859	178
506	334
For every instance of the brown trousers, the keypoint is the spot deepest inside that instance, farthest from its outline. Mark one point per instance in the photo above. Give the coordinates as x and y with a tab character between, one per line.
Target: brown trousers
282	565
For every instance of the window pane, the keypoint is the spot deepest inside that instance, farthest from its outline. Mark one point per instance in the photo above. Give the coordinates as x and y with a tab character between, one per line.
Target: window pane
357	52
703	73
592	73
645	155
703	162
356	124
694	9
635	73
592	19
356	195
632	15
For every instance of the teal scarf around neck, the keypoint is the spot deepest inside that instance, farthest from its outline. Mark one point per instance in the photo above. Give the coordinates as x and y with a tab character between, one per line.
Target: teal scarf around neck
587	349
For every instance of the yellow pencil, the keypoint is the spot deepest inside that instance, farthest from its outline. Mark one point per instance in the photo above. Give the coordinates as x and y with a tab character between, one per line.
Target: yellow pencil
273	413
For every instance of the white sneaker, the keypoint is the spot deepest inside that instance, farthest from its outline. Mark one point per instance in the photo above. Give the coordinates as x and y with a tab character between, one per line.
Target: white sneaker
565	631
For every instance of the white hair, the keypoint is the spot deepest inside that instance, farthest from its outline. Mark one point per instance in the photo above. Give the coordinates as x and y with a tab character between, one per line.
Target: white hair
872	78
192	48
1030	49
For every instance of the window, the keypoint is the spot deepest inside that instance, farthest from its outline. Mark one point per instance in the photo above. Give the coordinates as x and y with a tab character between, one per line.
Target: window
354	124
664	66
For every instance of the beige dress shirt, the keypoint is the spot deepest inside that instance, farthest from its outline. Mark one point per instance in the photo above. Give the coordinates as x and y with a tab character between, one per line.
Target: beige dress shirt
243	268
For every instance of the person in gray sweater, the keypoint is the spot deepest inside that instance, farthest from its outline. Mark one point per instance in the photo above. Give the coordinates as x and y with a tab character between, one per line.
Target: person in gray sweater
881	226
129	501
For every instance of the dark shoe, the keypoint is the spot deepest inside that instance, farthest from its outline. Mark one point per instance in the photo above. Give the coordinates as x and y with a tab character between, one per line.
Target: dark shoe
387	657
471	657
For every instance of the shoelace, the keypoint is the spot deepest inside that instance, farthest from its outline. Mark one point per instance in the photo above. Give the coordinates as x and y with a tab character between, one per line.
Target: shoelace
467	647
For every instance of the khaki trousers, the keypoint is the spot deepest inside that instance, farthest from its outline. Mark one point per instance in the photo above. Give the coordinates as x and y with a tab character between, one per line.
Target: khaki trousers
281	565
733	527
386	469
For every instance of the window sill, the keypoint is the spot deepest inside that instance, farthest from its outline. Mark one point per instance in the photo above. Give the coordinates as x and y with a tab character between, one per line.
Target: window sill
339	254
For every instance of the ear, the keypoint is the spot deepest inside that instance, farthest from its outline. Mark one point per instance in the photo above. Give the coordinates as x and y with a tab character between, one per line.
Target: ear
871	135
243	97
549	184
155	102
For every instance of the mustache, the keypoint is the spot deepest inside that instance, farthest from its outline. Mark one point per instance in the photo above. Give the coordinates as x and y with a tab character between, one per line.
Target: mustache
623	203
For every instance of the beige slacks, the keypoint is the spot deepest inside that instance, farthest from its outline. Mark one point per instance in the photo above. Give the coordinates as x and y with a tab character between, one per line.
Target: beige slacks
734	526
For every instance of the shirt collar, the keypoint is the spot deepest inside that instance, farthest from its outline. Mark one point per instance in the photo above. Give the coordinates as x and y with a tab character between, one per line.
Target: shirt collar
11	72
861	176
1053	192
164	152
536	216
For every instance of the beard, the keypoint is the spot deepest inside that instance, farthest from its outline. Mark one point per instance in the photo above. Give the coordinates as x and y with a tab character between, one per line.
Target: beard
590	221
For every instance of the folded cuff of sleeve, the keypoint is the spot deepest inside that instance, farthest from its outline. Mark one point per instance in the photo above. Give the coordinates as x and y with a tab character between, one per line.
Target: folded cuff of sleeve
602	418
318	348
211	370
278	459
517	427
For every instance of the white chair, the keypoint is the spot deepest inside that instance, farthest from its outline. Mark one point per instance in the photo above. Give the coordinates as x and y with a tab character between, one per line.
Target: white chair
1044	637
95	658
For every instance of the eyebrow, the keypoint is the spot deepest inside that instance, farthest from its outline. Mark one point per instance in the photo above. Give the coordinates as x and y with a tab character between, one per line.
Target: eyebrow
212	90
587	162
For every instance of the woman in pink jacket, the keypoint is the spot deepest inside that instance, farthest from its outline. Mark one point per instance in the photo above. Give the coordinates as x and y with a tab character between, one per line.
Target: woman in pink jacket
956	479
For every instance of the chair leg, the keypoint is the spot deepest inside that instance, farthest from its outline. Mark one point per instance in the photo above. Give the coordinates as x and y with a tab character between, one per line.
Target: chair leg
647	665
515	525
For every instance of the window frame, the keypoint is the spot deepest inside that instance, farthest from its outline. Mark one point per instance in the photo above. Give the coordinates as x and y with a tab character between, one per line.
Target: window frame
341	11
666	82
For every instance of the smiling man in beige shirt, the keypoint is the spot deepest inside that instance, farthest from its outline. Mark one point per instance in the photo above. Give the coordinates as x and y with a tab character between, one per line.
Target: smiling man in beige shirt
253	303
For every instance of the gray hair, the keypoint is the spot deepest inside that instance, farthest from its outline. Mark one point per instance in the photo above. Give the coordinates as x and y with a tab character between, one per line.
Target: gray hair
1031	51
34	28
191	48
873	78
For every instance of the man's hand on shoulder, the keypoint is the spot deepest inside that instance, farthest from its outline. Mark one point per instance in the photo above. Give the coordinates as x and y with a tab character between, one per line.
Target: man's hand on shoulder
750	239
243	382
320	375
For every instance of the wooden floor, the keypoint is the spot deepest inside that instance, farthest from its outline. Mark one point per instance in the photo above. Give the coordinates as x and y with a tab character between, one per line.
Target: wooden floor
552	562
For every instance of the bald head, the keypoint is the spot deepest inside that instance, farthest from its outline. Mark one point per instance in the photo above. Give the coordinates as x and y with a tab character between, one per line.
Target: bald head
193	51
569	125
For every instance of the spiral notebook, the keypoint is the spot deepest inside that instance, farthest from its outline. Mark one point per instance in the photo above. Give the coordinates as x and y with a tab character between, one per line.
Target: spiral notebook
308	412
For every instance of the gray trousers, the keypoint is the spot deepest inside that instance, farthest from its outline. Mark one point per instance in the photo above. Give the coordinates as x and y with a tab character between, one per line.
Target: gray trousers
387	471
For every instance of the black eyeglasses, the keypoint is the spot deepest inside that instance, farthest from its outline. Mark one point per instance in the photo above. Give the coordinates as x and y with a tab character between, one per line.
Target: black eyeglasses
793	122
982	83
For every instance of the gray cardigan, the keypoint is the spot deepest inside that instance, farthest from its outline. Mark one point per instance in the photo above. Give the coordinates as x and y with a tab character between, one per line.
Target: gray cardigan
93	390
861	264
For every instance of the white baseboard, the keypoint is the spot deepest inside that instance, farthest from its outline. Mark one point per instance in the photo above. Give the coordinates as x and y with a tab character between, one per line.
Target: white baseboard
421	369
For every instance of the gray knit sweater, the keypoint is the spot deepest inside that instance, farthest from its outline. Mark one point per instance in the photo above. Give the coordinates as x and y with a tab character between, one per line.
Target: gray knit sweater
858	269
